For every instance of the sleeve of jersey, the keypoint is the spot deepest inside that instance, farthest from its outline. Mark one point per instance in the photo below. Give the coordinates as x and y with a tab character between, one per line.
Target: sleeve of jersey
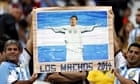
13	76
131	37
119	60
25	57
136	77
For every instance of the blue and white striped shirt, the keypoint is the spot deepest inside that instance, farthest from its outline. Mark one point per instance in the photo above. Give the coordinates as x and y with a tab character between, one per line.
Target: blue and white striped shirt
21	72
128	73
133	35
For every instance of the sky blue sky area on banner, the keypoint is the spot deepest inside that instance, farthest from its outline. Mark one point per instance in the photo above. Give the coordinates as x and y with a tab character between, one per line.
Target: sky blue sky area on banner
85	18
58	53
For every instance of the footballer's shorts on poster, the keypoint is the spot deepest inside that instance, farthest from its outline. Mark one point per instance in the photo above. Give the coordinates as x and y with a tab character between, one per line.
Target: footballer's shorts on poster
67	39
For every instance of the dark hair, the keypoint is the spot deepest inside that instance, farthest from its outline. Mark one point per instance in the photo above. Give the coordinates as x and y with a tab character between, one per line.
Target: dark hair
74	16
1	46
135	45
10	42
23	23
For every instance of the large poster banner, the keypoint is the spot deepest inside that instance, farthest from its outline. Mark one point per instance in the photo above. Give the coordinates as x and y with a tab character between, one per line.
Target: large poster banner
67	39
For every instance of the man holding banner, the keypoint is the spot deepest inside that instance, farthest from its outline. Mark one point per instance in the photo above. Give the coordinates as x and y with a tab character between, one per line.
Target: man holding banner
129	73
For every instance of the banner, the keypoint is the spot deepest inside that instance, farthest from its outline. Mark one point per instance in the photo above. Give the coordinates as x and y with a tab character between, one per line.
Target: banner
67	39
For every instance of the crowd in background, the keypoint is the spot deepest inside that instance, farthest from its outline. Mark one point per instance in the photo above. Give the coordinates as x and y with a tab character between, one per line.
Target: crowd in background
121	9
16	19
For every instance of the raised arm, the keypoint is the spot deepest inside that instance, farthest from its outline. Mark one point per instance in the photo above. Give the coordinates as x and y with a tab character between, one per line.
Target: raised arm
90	29
29	44
58	30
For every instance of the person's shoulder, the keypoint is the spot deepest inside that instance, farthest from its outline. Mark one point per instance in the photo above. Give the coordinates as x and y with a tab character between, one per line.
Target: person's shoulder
6	65
7	18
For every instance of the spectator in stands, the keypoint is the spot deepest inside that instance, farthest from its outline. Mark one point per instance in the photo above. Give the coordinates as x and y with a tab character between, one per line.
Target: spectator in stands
15	68
10	71
8	23
129	73
135	34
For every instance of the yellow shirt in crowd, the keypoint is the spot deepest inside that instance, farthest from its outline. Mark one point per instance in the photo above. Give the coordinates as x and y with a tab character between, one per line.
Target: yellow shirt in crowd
100	77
